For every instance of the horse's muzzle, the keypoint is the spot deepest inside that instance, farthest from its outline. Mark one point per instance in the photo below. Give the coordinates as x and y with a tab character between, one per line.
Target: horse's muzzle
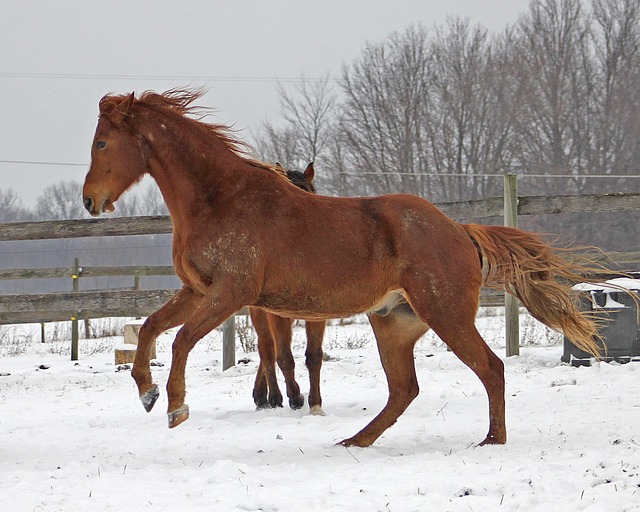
88	204
94	210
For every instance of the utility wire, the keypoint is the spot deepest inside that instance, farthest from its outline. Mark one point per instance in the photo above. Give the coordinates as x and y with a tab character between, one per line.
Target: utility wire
373	173
202	78
31	162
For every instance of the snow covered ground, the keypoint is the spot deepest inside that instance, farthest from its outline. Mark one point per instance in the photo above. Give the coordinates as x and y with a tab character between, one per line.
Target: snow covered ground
74	437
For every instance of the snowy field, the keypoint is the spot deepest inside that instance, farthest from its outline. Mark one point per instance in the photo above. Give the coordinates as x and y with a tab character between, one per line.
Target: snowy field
74	437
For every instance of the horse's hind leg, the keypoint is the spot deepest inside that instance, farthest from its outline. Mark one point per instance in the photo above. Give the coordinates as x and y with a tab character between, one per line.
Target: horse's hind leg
396	335
266	392
466	343
454	324
281	330
315	335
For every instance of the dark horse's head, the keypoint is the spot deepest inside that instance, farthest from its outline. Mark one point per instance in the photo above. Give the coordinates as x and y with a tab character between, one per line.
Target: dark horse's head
117	156
304	180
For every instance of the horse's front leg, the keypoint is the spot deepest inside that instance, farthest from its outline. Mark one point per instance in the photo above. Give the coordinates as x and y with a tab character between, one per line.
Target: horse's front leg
215	307
173	313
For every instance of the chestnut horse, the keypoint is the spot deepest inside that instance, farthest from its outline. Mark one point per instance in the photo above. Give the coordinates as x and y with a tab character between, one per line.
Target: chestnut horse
274	342
243	235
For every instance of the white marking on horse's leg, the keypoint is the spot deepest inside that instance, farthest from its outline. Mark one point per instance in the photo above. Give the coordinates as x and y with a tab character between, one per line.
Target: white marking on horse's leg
316	410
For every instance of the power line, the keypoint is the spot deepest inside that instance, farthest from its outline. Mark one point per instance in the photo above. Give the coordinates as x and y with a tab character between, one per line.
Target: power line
173	78
33	162
480	175
391	173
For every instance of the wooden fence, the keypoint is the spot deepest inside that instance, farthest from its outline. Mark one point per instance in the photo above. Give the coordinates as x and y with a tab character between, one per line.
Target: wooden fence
78	305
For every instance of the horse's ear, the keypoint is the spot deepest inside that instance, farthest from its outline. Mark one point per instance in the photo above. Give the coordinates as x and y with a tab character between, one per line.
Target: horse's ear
122	109
310	173
279	169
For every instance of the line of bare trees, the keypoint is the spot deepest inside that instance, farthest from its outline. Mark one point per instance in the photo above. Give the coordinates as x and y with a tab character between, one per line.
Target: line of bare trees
433	111
62	201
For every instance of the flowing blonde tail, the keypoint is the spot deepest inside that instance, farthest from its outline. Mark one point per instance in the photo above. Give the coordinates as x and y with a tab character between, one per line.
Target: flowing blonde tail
519	263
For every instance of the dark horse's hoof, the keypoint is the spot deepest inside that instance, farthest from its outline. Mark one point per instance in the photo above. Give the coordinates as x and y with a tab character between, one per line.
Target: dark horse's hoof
296	402
149	398
275	400
266	405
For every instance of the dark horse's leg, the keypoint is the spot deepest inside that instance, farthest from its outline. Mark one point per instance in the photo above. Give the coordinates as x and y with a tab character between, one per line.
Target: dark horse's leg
315	335
173	313
266	379
396	334
274	336
282	330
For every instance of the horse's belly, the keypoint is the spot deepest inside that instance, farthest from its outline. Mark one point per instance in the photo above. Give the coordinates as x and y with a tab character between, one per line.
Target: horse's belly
327	306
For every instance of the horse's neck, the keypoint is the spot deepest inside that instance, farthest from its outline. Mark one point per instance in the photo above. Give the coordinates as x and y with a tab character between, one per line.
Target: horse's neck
189	177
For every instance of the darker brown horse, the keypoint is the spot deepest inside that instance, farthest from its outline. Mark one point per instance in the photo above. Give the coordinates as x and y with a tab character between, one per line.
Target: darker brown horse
274	342
244	235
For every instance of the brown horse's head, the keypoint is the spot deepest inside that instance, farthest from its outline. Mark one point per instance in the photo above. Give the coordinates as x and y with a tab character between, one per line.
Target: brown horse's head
117	156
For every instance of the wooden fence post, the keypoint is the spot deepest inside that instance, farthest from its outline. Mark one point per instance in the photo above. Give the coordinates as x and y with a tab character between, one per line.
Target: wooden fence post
229	342
75	334
511	305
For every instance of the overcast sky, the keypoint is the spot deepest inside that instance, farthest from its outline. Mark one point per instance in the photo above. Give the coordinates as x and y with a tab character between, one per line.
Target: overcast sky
58	58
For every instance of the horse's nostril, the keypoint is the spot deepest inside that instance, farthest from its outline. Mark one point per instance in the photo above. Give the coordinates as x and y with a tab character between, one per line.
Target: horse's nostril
88	204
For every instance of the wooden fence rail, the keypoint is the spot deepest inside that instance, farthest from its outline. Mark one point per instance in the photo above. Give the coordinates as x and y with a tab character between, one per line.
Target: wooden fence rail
461	211
107	303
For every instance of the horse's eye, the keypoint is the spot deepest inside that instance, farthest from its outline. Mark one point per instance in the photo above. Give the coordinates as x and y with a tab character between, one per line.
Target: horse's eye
101	144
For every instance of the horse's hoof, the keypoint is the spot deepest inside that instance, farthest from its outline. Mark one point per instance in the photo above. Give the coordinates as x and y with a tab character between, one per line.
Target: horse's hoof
266	405
348	443
316	410
275	401
296	402
178	416
149	398
493	440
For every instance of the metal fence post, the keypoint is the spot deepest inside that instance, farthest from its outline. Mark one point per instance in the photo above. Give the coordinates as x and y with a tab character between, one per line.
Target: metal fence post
229	342
75	332
511	304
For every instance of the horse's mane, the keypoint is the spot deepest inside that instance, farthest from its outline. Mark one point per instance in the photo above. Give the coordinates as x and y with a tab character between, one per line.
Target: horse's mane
181	101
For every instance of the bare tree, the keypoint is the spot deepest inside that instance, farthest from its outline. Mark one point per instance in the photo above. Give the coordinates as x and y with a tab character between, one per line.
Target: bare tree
615	94
152	202
307	129
553	45
60	201
386	95
11	207
471	112
431	114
